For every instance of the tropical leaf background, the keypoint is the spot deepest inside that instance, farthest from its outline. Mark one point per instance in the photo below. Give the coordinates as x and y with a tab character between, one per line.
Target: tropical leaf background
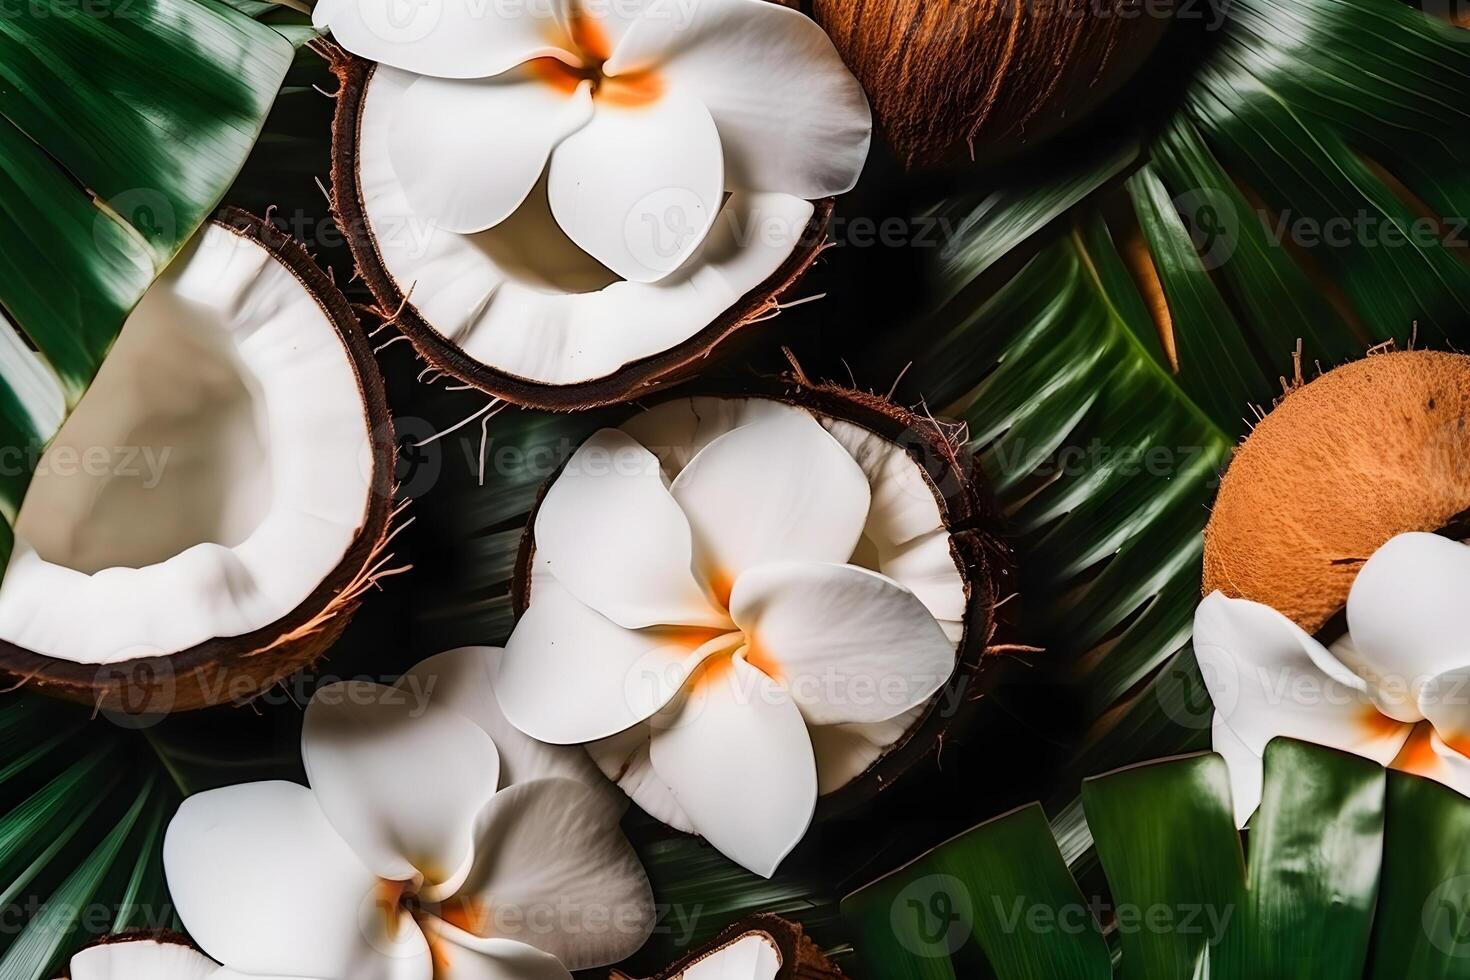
1102	314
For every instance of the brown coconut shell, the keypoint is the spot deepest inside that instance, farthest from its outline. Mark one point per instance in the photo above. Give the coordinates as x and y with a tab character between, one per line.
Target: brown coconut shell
633	380
237	669
801	959
984	78
978	546
1369	450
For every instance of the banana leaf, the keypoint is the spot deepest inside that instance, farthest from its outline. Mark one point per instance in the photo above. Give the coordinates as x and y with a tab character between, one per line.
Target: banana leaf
1350	872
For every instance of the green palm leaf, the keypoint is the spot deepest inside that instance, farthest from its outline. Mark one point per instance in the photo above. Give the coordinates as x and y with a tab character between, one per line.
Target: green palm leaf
1350	873
121	126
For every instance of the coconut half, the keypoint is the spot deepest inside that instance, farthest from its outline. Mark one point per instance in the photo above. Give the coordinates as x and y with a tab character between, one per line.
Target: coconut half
761	947
521	312
1365	452
141	956
931	527
206	520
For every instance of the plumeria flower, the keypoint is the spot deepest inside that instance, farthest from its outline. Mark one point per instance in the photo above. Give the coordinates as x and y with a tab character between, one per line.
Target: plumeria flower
435	841
1395	689
723	608
640	113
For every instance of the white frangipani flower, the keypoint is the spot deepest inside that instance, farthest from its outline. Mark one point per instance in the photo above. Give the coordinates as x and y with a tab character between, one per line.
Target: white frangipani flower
715	630
1395	689
638	112
435	842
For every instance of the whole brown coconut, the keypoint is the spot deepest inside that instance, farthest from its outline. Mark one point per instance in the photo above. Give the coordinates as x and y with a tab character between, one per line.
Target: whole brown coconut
1372	449
987	77
978	549
799	957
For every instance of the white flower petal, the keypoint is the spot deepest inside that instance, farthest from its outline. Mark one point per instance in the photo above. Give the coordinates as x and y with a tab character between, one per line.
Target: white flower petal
399	778
446	38
678	429
927	567
468	152
462	680
611	533
740	763
844	752
1267	677
141	959
1247	770
462	956
850	645
638	187
780	488
624	758
555	871
904	536
1409	618
266	886
570	675
791	117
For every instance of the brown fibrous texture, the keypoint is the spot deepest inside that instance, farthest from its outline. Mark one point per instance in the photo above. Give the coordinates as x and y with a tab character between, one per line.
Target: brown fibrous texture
1372	449
987	77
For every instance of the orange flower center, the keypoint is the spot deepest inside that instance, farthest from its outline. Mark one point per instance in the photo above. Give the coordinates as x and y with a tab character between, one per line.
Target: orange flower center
588	40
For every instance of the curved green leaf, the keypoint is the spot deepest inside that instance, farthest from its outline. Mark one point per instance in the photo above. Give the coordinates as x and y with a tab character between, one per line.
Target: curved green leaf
1166	837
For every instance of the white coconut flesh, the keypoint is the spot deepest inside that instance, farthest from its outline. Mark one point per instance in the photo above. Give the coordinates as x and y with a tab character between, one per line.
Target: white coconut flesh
904	538
142	959
214	474
523	299
749	958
